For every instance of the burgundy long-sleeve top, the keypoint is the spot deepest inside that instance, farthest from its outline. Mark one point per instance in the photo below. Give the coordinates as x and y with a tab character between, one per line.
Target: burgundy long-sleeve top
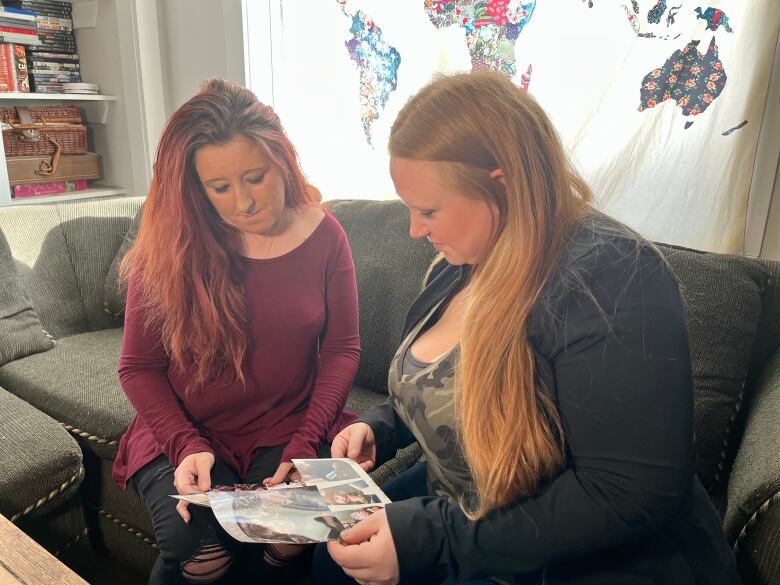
302	355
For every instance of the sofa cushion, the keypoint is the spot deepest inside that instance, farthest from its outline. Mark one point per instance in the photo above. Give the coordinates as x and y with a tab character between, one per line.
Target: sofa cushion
722	297
76	383
45	268
94	231
114	292
40	461
21	333
390	268
63	251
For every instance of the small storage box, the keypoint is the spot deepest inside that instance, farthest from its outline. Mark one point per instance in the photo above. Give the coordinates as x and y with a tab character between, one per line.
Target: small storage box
72	139
23	169
51	114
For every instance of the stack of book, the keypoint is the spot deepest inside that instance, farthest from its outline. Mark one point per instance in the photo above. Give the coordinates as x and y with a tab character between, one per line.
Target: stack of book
18	26
13	68
54	60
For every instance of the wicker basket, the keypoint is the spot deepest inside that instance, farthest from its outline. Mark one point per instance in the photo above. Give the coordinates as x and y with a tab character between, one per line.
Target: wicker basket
52	114
72	139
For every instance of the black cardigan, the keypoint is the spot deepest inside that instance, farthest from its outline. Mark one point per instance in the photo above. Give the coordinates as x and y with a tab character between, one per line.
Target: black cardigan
611	347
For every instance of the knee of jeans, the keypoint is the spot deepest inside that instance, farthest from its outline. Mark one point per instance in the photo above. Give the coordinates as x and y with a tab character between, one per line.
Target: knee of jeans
207	565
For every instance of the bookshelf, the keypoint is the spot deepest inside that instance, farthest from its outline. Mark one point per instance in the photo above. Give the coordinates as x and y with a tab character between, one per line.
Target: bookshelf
111	36
93	116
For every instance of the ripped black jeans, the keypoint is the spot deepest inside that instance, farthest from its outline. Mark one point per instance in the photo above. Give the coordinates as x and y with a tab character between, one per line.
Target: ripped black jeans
201	551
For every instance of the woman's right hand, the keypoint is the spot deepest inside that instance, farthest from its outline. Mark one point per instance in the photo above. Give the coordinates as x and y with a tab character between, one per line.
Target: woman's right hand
192	476
356	442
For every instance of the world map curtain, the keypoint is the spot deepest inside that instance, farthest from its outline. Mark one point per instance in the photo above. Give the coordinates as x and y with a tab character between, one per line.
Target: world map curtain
660	103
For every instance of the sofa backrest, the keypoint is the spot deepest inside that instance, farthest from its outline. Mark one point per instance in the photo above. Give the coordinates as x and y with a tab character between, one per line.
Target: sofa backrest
768	335
390	267
62	253
732	308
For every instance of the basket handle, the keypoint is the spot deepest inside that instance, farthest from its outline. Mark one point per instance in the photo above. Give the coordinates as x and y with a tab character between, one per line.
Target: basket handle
25	120
46	168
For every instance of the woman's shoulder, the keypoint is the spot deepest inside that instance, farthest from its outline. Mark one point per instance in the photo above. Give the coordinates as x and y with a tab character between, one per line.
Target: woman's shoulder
601	246
605	262
330	226
317	225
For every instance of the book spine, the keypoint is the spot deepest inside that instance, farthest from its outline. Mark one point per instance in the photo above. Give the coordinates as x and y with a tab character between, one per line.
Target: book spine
53	66
17	30
14	76
16	14
43	56
40	6
21	73
31	40
50	188
6	63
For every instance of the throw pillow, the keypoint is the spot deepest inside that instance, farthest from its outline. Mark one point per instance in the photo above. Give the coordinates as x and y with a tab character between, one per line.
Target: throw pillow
115	292
722	297
21	333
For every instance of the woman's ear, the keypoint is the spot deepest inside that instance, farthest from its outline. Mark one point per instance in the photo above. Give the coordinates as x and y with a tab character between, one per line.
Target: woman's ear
498	175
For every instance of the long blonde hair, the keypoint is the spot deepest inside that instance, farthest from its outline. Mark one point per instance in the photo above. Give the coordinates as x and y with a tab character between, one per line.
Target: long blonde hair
477	122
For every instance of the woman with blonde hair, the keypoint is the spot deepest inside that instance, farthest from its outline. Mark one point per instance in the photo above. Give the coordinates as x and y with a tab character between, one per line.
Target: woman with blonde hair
544	371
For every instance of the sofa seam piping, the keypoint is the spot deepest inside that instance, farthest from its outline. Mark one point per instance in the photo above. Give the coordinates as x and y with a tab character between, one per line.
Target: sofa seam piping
86	435
753	520
140	534
717	477
51	495
84	532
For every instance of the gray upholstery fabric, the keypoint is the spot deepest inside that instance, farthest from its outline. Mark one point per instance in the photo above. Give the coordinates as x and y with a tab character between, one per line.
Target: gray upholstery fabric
114	293
21	333
758	553
390	268
63	251
768	335
362	399
45	267
76	384
722	297
82	226
37	458
59	529
126	528
755	477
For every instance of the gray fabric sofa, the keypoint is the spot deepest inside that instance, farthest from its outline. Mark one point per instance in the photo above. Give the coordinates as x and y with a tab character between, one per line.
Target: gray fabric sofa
62	410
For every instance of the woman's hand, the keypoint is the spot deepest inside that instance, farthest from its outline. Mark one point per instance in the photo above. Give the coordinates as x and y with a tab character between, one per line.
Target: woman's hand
285	472
358	443
192	476
366	551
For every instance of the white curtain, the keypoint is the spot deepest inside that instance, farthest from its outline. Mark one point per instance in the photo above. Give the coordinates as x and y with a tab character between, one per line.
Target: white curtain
660	102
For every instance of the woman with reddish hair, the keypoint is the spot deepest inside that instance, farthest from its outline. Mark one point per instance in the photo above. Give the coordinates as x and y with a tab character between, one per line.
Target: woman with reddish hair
241	327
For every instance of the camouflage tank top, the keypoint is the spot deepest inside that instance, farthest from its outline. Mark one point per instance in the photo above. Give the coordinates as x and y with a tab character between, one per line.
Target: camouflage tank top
424	401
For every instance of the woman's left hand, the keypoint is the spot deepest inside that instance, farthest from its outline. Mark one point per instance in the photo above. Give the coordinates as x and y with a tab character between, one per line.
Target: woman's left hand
285	472
366	551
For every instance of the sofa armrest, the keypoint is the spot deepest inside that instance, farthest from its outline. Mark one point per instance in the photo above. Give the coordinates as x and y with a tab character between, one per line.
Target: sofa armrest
752	519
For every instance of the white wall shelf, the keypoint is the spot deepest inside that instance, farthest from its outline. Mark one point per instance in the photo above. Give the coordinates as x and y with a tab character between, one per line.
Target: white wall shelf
11	96
92	192
97	109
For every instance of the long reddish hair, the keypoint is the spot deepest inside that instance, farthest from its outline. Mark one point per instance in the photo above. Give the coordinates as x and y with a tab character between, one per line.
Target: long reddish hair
186	260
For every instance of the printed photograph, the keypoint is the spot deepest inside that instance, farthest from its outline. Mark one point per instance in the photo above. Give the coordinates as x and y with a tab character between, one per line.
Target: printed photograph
353	493
327	470
261	517
342	520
